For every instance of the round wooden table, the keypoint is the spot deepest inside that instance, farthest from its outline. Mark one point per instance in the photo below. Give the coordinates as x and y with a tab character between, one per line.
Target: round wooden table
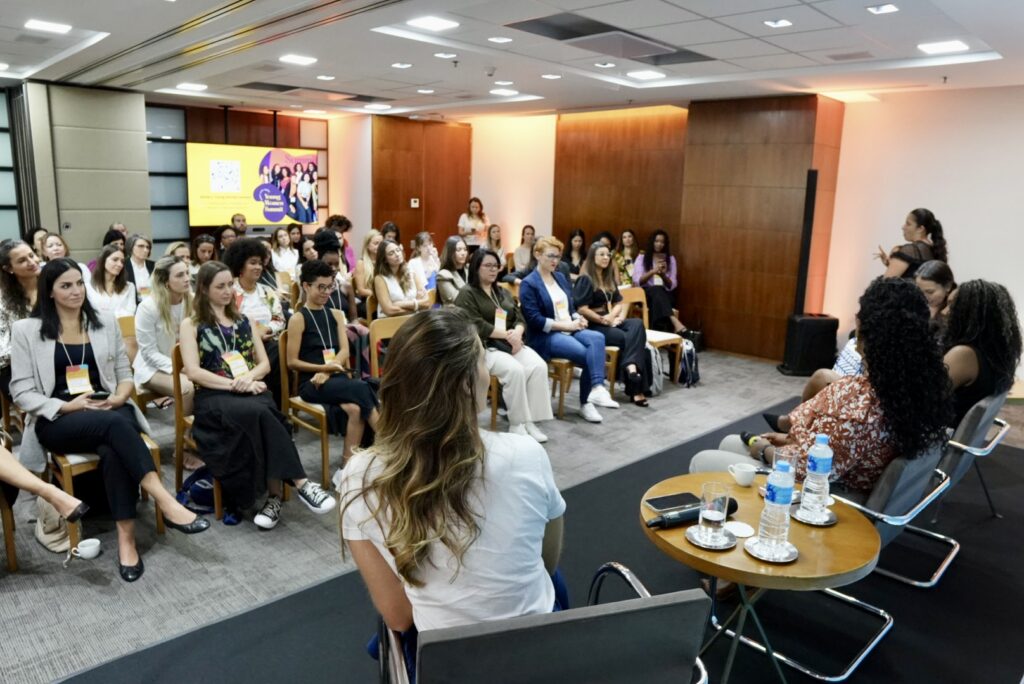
829	557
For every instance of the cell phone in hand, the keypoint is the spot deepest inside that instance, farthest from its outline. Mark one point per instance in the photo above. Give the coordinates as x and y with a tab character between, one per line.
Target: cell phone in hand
100	396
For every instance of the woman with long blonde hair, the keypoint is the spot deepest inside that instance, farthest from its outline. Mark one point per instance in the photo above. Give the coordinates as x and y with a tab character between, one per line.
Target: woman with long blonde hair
362	283
448	525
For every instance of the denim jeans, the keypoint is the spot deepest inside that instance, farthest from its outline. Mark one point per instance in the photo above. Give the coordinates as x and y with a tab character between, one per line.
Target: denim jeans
585	348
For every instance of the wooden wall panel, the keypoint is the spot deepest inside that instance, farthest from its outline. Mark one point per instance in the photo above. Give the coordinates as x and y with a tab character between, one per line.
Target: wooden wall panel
250	128
828	132
288	131
424	160
742	210
204	125
620	169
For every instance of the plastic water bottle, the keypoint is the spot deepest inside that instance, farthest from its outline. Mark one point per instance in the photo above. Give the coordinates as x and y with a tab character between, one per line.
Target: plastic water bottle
773	532
815	495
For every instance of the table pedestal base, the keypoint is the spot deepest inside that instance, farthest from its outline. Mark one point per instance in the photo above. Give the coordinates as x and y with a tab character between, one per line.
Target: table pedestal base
746	607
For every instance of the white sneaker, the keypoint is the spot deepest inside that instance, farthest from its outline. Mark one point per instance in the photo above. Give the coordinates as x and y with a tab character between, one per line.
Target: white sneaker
269	515
519	429
315	498
532	430
590	413
599	396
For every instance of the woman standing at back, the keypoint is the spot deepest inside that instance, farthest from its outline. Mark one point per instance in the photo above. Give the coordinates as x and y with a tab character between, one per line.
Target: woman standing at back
473	224
924	242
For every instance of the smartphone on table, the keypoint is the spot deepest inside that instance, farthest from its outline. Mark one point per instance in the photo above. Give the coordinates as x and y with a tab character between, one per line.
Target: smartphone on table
672	502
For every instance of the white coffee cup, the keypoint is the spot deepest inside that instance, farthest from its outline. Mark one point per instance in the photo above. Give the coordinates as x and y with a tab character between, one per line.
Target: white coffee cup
87	549
743	473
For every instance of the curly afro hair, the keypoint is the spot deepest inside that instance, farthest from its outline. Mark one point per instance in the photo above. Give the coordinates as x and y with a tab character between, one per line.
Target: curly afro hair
904	364
983	316
240	251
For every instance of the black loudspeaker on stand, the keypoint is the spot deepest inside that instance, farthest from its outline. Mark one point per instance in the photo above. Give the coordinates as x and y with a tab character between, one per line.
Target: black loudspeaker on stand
810	338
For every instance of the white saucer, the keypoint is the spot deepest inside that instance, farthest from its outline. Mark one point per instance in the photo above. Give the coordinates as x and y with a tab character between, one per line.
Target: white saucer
740	529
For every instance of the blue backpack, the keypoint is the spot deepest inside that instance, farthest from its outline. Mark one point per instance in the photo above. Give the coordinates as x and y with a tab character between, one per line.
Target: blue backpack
197	492
689	368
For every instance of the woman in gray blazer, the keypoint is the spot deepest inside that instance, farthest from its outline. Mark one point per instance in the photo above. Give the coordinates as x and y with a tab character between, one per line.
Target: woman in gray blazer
71	375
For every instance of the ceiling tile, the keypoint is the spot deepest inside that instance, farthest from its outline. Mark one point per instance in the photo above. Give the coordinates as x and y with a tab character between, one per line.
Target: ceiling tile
804	18
638	14
692	33
819	40
698	69
749	47
770	62
877	52
573	5
720	8
503	12
855	13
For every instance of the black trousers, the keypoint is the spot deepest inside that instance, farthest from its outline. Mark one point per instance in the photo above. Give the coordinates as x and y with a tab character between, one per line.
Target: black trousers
631	339
114	435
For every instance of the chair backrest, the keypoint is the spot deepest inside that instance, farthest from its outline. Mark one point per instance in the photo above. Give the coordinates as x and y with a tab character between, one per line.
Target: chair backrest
634	295
647	639
901	487
282	362
371	308
972	431
294	293
127	326
380	330
510	262
512	289
177	365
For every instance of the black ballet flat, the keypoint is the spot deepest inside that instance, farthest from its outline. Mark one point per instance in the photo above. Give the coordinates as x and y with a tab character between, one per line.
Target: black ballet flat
131	573
76	515
641	402
200	524
773	421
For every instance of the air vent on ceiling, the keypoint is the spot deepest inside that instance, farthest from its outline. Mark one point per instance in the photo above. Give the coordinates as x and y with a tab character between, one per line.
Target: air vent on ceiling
268	68
565	26
620	44
849	56
675	57
268	87
34	40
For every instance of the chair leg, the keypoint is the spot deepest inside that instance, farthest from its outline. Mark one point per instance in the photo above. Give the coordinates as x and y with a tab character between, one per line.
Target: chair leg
954	549
218	500
984	487
494	408
561	394
325	453
66	481
679	364
8	524
179	459
159	514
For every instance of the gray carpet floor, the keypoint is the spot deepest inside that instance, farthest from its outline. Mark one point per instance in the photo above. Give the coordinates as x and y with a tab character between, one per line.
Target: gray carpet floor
58	621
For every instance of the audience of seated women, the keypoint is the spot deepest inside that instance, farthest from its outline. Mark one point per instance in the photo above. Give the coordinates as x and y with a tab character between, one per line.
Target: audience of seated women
328	250
448	524
157	324
283	255
111	237
898	407
577	252
982	343
62	357
598	299
19	284
655	271
363	278
557	330
523	255
425	263
523	374
625	257
108	289
138	265
454	273
924	242
204	248
394	286
242	436
319	352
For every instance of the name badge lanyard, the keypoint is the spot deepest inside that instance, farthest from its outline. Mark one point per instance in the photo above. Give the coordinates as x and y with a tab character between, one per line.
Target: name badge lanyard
329	344
77	377
237	365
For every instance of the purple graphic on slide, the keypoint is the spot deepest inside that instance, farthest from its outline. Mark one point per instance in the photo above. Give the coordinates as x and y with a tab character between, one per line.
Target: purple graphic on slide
288	186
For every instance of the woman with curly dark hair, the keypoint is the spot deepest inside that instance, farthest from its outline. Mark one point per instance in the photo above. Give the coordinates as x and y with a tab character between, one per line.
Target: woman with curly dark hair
982	342
925	242
899	406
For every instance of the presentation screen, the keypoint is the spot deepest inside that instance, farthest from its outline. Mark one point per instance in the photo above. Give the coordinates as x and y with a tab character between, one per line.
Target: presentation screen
270	185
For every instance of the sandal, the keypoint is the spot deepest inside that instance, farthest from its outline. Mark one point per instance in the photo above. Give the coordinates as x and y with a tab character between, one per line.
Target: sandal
641	402
163	402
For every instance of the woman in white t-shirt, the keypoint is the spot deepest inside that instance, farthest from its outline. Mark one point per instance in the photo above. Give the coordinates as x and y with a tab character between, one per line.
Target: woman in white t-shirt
284	257
396	289
110	291
473	224
447	524
425	264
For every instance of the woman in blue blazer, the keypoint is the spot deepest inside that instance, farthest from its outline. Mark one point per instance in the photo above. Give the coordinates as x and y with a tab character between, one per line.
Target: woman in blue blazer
555	330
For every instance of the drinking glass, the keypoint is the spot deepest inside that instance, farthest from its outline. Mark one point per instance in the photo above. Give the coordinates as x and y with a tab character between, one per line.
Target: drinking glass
714	500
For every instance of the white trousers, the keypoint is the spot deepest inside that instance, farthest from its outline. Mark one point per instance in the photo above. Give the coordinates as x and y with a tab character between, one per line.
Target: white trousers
524	384
731	450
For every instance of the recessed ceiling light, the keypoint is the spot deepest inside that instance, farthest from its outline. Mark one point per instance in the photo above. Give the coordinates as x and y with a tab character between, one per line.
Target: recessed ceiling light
297	59
377	107
445	55
504	92
605	65
645	75
943	47
778	23
551	77
424	91
165	137
401	65
313	111
48	26
432	24
325	77
499	39
887	8
503	83
195	87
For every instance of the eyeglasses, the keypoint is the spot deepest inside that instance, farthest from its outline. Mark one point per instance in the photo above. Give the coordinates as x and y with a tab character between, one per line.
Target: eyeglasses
554	257
489	265
322	289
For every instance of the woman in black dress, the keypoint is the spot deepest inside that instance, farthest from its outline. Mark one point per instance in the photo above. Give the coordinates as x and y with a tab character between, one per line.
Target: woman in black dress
319	352
575	253
925	242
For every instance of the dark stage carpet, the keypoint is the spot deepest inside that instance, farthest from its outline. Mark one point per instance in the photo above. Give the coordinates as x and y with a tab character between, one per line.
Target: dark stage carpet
967	629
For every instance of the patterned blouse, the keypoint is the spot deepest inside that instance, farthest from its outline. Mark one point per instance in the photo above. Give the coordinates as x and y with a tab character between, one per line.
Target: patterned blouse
848	412
262	305
214	340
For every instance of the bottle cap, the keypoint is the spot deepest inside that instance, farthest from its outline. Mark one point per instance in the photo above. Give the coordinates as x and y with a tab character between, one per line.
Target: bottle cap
783	466
821	439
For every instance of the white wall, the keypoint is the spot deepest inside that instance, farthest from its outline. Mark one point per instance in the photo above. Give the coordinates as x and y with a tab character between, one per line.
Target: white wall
349	177
513	172
958	153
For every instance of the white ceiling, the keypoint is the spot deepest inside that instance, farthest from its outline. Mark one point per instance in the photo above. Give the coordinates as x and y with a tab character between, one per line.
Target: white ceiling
833	45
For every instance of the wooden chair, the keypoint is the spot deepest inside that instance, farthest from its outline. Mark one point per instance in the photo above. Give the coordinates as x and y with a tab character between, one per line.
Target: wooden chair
7	516
294	294
560	372
636	296
182	434
127	325
512	289
371	309
380	330
494	394
294	407
64	468
510	262
11	420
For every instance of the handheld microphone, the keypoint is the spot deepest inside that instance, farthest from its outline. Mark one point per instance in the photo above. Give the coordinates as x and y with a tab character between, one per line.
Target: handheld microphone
686	515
